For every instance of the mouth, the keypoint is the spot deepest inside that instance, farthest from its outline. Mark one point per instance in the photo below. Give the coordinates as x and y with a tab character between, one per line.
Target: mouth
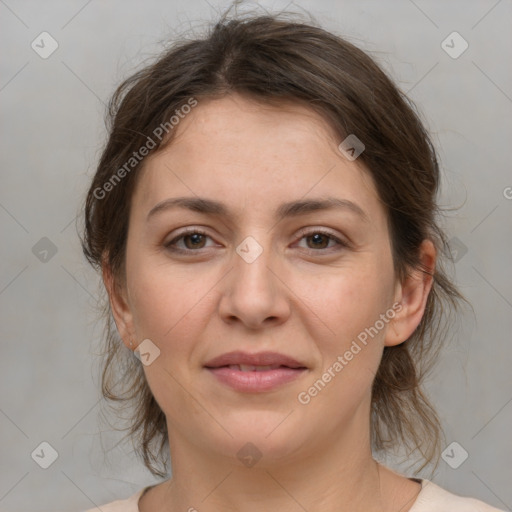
251	361
252	368
255	373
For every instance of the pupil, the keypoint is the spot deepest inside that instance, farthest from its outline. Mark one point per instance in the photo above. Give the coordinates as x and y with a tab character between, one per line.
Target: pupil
195	238
317	237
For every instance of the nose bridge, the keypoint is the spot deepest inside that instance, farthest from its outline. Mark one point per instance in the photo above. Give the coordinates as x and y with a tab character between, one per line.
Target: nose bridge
253	292
252	261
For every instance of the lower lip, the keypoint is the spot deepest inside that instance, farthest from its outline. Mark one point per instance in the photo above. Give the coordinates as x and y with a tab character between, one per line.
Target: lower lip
253	382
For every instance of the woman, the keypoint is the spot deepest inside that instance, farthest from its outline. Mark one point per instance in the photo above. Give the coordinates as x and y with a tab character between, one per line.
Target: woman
264	217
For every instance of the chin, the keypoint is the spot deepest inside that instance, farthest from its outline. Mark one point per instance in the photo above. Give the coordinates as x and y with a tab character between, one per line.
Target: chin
261	439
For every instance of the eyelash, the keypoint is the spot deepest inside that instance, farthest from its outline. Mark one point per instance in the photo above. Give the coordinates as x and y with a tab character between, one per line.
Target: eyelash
303	234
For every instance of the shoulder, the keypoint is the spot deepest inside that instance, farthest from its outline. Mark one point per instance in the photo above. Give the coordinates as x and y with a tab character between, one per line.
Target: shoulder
433	498
128	505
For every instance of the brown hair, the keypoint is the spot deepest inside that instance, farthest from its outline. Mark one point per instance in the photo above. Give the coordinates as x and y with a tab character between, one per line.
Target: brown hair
271	58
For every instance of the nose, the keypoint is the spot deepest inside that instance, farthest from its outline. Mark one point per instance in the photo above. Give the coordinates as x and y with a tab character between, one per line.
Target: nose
253	293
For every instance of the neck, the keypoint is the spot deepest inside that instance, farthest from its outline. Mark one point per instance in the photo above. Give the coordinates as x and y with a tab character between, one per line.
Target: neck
341	476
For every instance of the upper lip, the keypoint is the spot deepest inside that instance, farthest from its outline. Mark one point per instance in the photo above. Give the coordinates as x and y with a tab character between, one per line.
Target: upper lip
258	359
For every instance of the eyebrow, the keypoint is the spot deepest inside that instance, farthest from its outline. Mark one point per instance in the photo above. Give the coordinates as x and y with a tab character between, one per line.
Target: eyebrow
290	209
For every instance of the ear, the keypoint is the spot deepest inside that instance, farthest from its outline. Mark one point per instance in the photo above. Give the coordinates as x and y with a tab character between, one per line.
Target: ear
412	296
119	305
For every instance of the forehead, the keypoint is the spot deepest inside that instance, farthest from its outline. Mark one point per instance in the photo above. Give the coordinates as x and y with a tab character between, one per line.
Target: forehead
253	155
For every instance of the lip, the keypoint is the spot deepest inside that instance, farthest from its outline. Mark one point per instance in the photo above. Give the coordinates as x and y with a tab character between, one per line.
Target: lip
257	359
288	370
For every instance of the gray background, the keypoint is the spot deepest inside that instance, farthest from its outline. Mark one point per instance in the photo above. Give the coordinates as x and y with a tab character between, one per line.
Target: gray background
52	132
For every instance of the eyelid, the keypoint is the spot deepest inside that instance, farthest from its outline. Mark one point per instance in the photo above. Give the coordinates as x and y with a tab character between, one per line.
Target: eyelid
341	241
311	230
181	234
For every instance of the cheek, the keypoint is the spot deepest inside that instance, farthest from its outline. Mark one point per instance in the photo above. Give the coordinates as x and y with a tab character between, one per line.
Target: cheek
350	302
171	311
351	349
351	299
169	307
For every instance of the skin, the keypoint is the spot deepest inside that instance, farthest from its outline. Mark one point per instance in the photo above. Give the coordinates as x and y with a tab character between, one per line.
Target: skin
305	297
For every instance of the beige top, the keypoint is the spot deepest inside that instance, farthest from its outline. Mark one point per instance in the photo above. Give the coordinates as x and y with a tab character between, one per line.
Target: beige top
431	498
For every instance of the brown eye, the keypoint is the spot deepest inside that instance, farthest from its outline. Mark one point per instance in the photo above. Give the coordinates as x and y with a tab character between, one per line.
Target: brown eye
319	240
192	239
196	241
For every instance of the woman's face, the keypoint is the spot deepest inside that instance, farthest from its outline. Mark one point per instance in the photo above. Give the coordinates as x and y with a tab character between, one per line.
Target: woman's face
258	282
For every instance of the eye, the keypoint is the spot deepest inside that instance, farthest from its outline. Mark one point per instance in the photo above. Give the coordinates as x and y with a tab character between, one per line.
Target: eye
192	239
320	240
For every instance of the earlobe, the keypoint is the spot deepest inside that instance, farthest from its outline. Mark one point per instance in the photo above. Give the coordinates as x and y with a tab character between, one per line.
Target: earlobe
412	296
119	306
